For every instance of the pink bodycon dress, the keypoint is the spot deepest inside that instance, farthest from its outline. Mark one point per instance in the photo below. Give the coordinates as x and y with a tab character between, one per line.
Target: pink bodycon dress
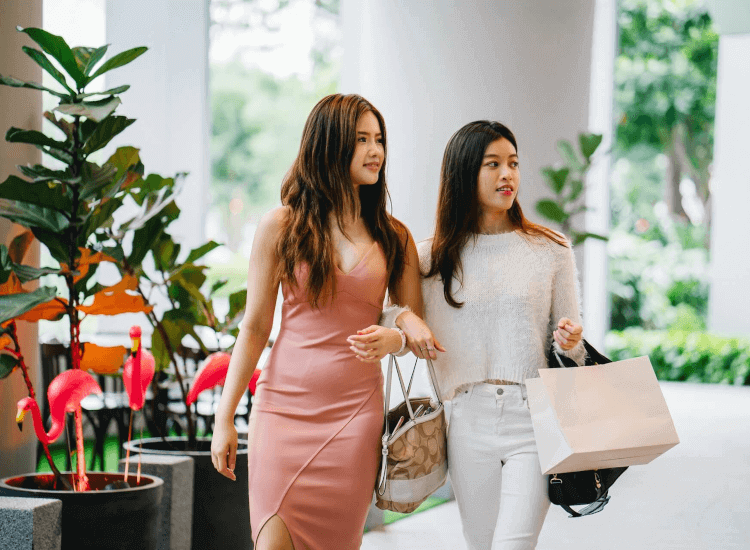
317	418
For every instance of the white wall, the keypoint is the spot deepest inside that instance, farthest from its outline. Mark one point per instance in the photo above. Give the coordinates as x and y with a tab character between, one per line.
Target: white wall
168	96
730	191
431	67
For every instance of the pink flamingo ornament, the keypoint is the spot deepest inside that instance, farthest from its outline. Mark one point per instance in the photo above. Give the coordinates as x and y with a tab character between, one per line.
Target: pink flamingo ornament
64	395
136	376
214	373
138	371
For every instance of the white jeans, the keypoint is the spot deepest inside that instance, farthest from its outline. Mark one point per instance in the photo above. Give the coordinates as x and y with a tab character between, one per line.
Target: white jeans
494	468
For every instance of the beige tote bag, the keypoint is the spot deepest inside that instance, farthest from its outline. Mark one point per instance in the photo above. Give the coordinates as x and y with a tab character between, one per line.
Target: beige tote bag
602	416
414	453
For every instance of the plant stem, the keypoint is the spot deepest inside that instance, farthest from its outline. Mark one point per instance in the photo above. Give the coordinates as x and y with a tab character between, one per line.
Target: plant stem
75	323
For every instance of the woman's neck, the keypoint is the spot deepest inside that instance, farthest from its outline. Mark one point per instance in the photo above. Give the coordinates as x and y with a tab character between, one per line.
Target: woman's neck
491	223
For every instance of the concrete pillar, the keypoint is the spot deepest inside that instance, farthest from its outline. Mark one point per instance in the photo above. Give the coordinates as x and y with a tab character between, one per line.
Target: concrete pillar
30	523
23	109
431	67
730	182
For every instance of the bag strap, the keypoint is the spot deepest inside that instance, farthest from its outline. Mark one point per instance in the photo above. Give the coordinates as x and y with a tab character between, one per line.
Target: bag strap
596	506
387	401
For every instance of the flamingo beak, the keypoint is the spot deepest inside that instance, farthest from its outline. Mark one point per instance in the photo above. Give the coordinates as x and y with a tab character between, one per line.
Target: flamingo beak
19	418
134	347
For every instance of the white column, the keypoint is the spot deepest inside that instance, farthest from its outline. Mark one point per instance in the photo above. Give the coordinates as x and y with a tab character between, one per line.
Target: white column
730	191
595	272
168	96
22	109
431	67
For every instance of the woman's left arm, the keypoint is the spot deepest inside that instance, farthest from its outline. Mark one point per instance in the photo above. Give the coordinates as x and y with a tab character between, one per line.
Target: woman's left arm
371	343
565	318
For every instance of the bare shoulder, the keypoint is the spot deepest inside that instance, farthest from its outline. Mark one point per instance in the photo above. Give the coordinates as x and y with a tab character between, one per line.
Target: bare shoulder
272	223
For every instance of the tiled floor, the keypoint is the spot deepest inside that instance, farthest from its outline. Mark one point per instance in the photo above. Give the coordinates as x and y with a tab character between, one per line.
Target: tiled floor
694	497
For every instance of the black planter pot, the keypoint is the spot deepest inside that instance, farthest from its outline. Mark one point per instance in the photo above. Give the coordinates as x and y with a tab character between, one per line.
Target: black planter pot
221	510
119	519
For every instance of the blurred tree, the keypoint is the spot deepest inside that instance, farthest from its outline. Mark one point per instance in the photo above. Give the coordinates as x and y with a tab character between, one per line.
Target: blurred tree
666	91
258	110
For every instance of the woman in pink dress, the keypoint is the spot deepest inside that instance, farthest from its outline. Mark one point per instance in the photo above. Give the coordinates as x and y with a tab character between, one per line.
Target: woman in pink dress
317	417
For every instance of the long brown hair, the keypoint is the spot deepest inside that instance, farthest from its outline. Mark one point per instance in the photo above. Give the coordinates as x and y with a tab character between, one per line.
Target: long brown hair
457	216
319	185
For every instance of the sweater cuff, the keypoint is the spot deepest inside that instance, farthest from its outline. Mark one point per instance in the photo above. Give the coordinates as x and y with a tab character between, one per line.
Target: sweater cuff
390	314
577	354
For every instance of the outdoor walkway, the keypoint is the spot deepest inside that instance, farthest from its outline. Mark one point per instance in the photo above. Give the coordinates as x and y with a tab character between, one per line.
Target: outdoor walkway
696	496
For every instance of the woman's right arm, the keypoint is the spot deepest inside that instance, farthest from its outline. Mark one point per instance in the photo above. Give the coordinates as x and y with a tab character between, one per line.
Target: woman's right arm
262	289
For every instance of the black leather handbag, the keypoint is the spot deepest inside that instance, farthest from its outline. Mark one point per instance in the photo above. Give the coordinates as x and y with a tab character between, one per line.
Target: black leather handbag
589	487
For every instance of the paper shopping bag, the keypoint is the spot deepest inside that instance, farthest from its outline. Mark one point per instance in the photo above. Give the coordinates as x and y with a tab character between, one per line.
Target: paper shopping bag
602	416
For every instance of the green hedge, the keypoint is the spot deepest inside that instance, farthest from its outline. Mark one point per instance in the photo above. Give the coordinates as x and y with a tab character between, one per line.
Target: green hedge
685	356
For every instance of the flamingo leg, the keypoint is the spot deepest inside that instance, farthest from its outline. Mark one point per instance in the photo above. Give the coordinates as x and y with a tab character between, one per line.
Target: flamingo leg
127	454
140	460
83	481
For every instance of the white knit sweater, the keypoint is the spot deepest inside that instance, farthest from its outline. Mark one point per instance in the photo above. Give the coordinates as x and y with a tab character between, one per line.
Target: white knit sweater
515	289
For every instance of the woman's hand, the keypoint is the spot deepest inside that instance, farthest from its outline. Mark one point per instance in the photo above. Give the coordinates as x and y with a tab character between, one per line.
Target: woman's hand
568	334
419	337
370	345
224	448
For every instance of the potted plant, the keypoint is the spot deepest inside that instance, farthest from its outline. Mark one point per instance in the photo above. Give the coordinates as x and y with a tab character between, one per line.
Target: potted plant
67	210
220	506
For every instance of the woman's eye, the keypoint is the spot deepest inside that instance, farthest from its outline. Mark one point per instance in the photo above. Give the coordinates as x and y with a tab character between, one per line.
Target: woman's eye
493	164
514	164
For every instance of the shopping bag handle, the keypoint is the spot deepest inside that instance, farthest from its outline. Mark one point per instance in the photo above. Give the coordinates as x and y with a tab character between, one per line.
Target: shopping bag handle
433	382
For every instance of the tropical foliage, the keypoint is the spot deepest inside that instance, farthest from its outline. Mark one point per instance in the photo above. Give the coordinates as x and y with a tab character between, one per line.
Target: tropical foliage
688	356
567	182
665	93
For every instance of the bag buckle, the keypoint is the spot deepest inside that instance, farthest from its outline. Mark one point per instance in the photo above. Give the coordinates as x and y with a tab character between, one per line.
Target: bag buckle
555	480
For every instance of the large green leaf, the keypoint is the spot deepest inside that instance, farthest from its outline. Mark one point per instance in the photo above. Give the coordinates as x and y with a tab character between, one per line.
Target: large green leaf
15	305
105	131
28	273
33	216
42	174
19	246
15	83
112	91
144	240
67	128
33	137
569	155
556	178
7	364
95	178
119	60
551	210
576	188
59	49
578	238
42	60
54	241
87	58
6	265
94	110
201	251
589	143
40	194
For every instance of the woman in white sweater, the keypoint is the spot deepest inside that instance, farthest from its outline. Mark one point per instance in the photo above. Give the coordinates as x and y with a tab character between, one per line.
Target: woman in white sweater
498	291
